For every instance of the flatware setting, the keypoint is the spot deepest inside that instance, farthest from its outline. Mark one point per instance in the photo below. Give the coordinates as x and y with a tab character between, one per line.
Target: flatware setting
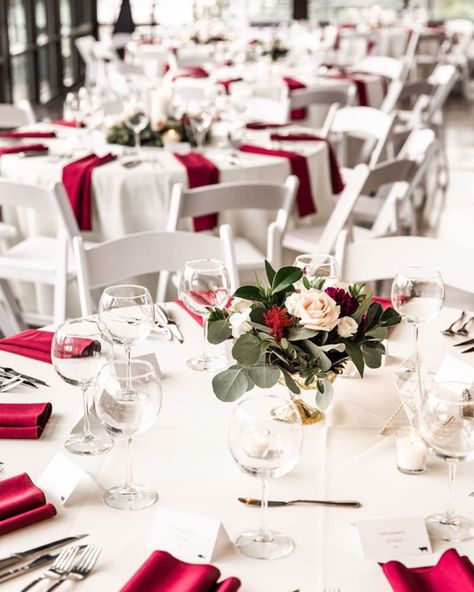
81	568
249	501
166	320
450	330
26	378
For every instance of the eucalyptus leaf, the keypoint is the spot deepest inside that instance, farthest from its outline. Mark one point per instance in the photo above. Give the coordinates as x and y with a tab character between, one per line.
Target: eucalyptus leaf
355	354
377	333
372	356
264	376
299	333
290	383
247	349
324	398
285	277
218	331
363	308
339	347
230	384
323	361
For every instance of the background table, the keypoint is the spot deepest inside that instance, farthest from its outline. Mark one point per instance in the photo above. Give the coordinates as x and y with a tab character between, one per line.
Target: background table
185	456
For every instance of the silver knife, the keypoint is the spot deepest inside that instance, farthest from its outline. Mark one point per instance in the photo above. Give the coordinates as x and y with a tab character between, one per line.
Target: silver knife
22	555
165	319
466	351
250	501
18	571
462	343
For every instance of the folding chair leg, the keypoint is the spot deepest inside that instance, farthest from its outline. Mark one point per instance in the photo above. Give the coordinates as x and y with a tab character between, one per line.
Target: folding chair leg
11	319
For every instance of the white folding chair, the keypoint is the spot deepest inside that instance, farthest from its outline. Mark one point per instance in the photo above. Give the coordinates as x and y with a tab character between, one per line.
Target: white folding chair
85	45
237	196
38	259
143	253
383	258
460	33
16	115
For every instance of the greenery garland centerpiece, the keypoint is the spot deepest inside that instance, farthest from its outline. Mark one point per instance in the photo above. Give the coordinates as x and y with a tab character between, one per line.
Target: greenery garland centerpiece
151	135
298	330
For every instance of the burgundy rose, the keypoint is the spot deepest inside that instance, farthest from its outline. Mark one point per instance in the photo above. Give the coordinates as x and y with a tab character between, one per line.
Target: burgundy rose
348	304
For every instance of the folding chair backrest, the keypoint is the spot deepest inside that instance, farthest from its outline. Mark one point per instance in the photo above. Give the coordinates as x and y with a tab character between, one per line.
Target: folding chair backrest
16	115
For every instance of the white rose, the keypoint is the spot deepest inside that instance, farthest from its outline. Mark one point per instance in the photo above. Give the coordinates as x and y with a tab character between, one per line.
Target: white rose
239	323
347	327
315	308
239	305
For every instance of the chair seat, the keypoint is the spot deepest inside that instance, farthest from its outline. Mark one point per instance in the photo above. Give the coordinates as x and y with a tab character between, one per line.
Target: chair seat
304	239
247	256
7	231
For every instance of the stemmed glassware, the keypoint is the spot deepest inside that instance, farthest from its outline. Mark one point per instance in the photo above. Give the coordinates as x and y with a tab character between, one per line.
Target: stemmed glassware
315	265
265	446
205	283
447	427
200	118
71	109
417	295
80	348
136	118
127	402
128	313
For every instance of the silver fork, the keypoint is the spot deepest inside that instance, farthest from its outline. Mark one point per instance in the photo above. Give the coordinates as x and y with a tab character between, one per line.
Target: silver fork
82	568
450	331
61	566
463	330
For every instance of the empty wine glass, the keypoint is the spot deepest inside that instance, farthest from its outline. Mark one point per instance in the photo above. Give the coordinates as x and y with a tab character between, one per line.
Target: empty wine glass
265	446
128	313
80	348
127	402
205	283
417	295
136	119
71	109
200	118
319	266
447	427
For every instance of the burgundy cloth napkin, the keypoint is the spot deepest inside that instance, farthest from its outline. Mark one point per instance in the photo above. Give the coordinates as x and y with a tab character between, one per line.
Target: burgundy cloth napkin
161	572
22	504
65	123
201	171
23	148
196	317
294	84
361	87
336	179
21	135
260	125
452	573
24	420
226	83
384	302
31	344
77	179
195	72
299	167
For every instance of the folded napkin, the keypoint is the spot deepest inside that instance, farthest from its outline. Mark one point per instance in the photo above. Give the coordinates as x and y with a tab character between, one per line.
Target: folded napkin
361	87
294	84
452	573
195	72
77	179
196	317
20	135
336	179
23	148
31	344
161	572
65	123
201	171
299	167
226	83
24	420
384	302
337	40
22	504
260	125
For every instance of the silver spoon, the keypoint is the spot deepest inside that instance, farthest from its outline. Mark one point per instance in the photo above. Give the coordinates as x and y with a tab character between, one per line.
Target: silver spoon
449	331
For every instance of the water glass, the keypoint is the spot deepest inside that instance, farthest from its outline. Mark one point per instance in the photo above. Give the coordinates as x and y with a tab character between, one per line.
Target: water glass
136	119
319	266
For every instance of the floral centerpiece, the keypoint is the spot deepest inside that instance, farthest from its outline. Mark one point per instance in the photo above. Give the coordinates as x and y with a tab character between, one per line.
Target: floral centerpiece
298	330
153	134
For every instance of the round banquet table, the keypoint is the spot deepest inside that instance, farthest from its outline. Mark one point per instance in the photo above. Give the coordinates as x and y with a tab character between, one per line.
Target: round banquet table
186	458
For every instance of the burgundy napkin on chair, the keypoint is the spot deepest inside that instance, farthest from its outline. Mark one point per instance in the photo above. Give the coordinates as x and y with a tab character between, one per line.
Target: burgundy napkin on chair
361	87
384	302
299	167
31	344
226	83
260	125
452	573
24	420
336	179
293	84
201	171
22	504
21	135
161	572
65	123
23	148
195	72
77	179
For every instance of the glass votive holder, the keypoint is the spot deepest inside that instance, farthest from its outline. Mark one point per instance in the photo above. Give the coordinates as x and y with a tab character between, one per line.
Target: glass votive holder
411	451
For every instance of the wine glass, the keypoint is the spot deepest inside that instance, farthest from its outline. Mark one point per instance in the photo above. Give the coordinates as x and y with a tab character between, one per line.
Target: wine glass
127	401
319	266
71	109
417	295
447	427
266	447
200	120
136	119
80	348
128	313
205	283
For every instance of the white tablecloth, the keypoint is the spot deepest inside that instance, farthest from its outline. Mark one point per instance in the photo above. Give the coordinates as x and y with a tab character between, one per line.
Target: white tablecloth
185	456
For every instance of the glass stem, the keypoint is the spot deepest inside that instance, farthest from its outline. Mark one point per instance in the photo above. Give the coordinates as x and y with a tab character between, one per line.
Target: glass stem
205	355
128	354
263	534
450	517
129	481
418	368
86	426
137	143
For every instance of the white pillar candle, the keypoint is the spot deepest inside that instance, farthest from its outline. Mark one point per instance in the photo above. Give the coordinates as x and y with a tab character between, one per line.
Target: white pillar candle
411	451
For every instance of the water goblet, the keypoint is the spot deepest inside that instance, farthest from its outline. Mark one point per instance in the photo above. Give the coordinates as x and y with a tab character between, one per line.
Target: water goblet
80	348
447	427
315	265
136	119
265	446
127	402
200	119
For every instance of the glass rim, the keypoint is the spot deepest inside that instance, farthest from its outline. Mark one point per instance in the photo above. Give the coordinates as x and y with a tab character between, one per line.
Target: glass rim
410	270
316	255
145	291
151	370
193	262
91	319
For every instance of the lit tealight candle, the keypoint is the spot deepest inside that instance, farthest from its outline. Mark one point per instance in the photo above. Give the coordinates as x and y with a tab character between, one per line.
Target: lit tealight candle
411	451
171	137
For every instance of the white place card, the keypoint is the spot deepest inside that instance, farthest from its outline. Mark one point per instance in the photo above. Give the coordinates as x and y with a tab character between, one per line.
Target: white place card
153	361
389	538
61	477
196	539
455	370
